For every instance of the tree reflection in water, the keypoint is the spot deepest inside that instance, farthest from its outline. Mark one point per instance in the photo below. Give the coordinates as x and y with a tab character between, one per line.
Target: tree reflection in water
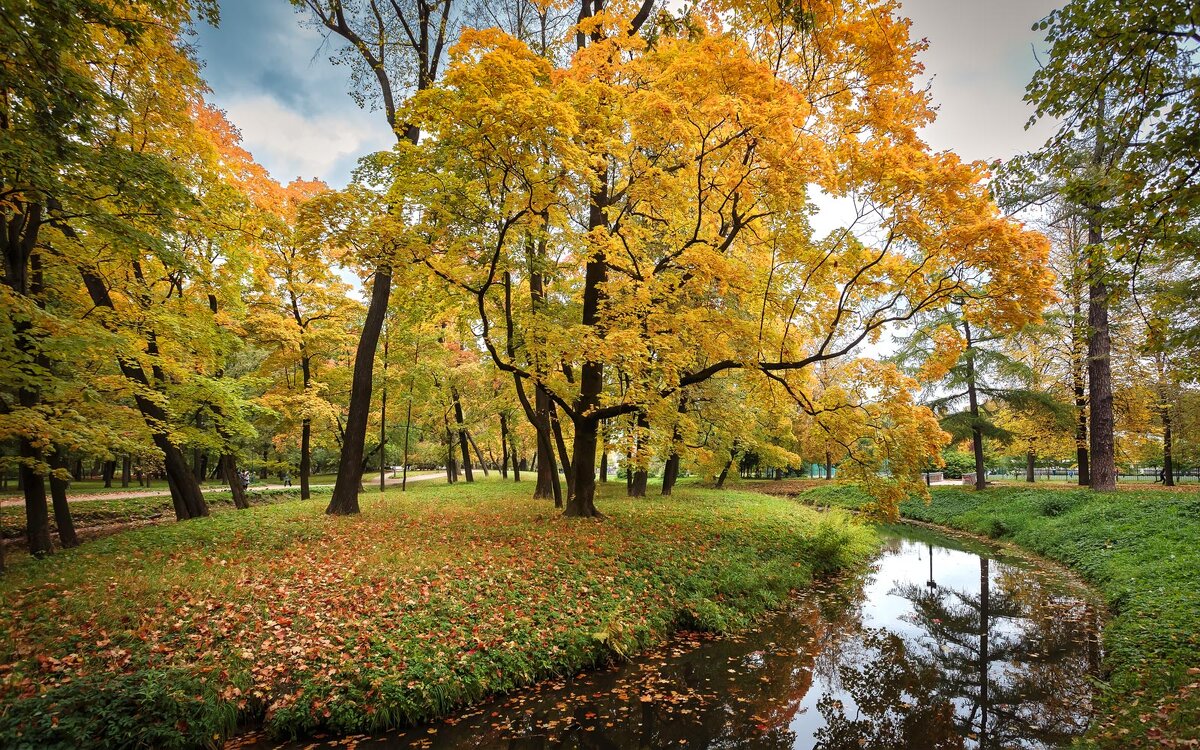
1000	665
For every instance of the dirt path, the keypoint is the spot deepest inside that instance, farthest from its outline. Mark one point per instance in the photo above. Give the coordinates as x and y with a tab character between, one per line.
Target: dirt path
121	495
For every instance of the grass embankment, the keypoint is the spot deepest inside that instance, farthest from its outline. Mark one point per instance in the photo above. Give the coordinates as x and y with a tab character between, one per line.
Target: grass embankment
132	510
1141	550
176	635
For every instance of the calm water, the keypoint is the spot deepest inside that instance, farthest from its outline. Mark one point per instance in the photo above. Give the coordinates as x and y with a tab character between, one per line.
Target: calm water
943	644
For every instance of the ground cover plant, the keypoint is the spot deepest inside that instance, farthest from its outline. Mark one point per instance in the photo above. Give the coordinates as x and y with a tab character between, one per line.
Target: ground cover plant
177	635
1141	549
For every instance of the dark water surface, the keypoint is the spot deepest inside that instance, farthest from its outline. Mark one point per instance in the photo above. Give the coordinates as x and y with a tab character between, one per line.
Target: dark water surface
943	644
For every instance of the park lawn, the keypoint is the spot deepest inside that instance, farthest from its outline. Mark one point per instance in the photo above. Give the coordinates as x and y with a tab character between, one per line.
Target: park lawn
1140	549
181	634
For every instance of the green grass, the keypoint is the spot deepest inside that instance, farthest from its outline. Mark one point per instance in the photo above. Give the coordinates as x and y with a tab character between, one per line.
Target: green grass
177	635
1141	550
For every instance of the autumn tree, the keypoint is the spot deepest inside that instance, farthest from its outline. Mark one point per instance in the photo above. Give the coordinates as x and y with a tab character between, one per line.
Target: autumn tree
392	51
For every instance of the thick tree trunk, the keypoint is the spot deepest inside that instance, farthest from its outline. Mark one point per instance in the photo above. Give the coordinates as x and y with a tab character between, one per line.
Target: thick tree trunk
462	436
110	471
37	514
556	431
1102	455
1081	419
350	465
725	472
62	507
504	447
670	473
126	470
1168	450
478	455
1029	466
228	466
828	466
582	501
973	401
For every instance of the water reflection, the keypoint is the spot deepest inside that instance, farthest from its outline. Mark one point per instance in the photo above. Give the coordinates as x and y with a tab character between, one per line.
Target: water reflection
939	646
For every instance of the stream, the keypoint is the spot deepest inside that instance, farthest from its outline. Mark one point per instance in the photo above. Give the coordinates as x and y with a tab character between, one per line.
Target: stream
942	643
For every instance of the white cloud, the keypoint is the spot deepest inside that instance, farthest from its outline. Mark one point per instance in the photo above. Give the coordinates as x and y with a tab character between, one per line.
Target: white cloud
291	144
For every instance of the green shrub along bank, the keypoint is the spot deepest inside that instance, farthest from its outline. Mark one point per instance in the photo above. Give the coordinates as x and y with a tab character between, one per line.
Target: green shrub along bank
179	635
91	513
1140	549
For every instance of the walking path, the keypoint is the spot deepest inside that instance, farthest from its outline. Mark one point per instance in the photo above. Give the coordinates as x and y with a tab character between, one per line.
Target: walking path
134	493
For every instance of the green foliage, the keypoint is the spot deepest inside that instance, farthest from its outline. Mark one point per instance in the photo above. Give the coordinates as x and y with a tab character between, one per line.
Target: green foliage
428	600
1140	548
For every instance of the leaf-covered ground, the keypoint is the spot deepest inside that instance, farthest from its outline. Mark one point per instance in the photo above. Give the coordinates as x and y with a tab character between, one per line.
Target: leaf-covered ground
1141	549
177	635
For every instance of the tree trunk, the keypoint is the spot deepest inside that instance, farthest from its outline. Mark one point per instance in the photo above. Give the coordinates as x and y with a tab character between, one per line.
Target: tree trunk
1029	465
582	502
973	401
350	464
229	472
126	470
603	463
556	431
62	508
462	436
110	471
828	466
1081	422
37	515
478	455
725	472
504	447
1102	456
1168	458
670	473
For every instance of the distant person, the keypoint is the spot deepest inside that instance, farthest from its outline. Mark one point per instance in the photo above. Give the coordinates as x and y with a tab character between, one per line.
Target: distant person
287	479
245	480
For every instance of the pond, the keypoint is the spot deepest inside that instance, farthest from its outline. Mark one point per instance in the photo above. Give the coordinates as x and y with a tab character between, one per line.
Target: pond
943	643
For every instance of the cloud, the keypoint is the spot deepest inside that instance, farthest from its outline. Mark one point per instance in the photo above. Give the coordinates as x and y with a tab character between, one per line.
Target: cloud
293	144
980	57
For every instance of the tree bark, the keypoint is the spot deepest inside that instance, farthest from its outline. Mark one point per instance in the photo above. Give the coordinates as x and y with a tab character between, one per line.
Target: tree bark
126	470
973	401
1029	466
504	447
725	472
228	466
478	455
462	436
1168	449
37	515
603	463
1102	456
110	471
62	507
1078	368
344	500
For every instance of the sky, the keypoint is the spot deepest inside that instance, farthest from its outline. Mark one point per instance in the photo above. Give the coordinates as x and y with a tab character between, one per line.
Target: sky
273	77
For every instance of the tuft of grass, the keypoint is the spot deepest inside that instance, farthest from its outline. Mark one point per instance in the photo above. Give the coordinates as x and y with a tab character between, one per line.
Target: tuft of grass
177	635
1141	550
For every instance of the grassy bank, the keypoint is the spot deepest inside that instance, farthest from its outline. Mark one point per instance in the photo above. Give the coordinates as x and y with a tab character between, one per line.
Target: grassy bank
176	635
1141	550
